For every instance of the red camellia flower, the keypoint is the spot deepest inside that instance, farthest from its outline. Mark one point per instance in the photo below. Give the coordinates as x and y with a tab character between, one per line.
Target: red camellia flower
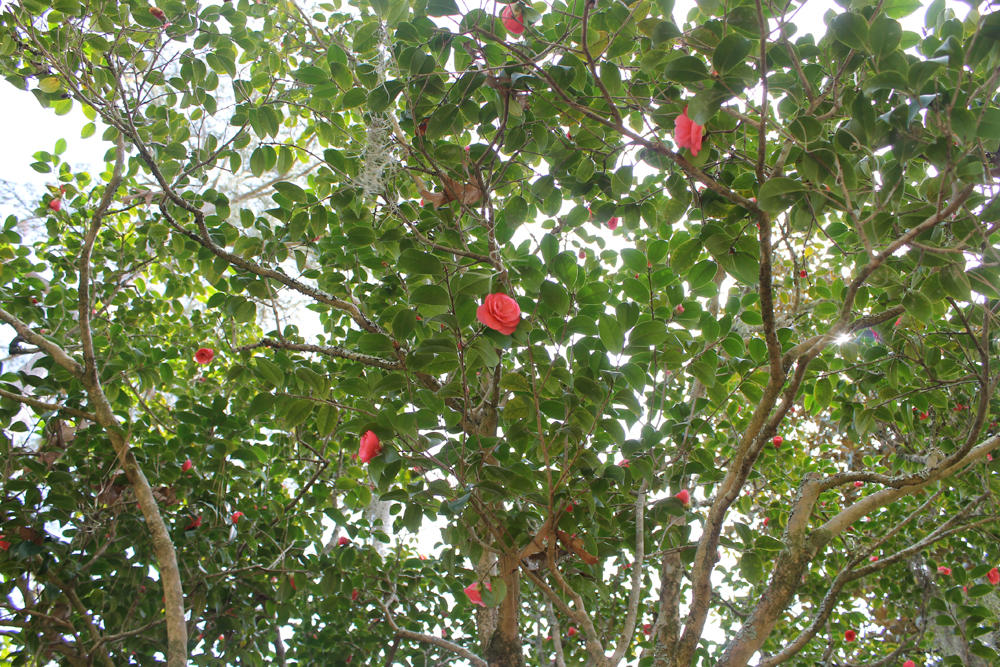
684	496
923	415
158	13
475	597
873	559
237	516
371	447
187	465
777	440
292	582
500	313
993	576
802	273
355	594
613	224
572	632
858	485
687	133
4	544
944	570
204	355
195	523
623	463
766	519
343	541
909	663
512	21
647	628
850	635
679	309
55	204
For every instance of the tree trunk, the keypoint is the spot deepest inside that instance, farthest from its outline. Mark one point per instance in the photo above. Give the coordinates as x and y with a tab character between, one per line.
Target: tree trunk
504	647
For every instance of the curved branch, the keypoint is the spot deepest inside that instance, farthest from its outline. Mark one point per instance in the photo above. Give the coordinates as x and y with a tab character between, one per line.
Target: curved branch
339	352
440	642
42	405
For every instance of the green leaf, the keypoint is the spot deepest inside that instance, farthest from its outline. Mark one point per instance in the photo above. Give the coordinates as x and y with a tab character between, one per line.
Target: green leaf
898	9
611	334
751	567
885	36
851	29
430	295
634	260
648	334
555	297
779	193
298	412
270	372
442	8
686	69
664	32
50	84
955	283
745	21
416	262
989	126
706	103
292	191
731	52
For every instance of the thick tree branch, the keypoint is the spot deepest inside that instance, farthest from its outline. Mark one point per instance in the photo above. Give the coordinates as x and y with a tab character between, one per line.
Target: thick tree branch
42	405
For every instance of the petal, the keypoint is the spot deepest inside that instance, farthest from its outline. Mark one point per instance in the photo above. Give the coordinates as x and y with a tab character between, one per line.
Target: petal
484	315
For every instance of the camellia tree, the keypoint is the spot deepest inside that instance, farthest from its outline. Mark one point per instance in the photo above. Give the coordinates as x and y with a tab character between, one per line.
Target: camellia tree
681	331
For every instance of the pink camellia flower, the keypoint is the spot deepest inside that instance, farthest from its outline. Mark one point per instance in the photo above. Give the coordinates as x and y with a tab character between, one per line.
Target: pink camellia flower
766	519
187	465
858	485
623	463
613	224
371	447
475	596
237	516
343	541
993	576
944	570
583	255
500	313
777	440
873	559
679	309
909	663
355	594
512	21
204	355
850	635
572	632
647	628
687	133
55	204
684	496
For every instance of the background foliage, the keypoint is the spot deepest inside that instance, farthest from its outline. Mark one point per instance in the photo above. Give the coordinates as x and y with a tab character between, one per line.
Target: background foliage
324	195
